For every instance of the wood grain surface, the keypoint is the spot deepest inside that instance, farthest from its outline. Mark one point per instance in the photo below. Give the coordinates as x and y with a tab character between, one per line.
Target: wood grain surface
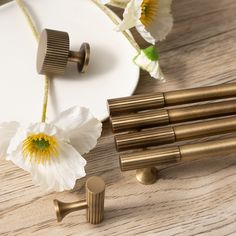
193	198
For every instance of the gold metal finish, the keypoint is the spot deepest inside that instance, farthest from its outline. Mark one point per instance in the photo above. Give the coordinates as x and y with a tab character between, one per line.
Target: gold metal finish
144	138
62	209
54	53
210	148
147	176
160	100
95	196
198	112
200	94
140	120
164	135
149	158
94	203
169	155
157	117
136	103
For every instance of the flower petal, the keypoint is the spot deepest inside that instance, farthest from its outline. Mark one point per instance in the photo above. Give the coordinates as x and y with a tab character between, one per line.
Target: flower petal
162	23
17	158
144	33
82	128
59	174
131	15
150	66
35	128
7	131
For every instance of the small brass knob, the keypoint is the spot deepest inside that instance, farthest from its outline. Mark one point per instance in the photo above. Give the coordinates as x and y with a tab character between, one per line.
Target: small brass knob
54	53
94	203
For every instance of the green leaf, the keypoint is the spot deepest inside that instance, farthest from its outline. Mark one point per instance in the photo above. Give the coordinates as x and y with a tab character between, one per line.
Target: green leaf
151	53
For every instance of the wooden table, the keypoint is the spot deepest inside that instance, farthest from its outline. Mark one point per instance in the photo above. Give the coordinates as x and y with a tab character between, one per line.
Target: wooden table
194	198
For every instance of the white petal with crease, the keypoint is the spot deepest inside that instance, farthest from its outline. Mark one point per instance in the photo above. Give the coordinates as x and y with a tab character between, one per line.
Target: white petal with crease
160	26
62	172
163	22
59	174
131	15
81	126
152	67
74	129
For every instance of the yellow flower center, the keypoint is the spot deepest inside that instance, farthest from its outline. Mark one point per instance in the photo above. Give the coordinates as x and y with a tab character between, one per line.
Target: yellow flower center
40	147
149	9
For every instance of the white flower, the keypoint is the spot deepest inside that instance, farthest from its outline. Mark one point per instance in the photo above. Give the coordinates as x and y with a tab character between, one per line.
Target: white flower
52	152
152	18
147	59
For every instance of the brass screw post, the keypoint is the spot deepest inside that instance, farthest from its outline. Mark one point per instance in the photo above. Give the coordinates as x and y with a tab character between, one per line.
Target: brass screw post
147	176
54	53
94	203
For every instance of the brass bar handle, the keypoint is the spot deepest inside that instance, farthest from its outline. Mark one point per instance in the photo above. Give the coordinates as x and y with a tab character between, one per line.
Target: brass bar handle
179	97
164	135
136	103
159	117
94	203
168	155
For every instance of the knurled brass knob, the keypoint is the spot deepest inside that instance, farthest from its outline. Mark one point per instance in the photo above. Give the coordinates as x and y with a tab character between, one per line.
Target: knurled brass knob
54	53
94	203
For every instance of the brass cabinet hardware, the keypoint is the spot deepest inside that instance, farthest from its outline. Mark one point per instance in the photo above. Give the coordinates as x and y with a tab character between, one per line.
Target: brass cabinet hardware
94	203
157	117
136	103
149	158
54	53
179	97
164	135
141	119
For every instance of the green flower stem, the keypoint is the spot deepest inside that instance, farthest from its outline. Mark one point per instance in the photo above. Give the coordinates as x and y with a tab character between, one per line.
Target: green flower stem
151	53
36	34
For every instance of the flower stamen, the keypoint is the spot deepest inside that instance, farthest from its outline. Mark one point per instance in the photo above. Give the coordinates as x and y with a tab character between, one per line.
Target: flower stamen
149	9
40	147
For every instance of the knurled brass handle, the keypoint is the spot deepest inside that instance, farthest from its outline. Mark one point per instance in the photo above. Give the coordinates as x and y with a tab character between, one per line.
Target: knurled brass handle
168	155
158	117
54	53
140	117
171	134
170	98
94	203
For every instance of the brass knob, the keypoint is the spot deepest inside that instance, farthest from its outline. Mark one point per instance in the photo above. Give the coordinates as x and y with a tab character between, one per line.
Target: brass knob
54	53
94	203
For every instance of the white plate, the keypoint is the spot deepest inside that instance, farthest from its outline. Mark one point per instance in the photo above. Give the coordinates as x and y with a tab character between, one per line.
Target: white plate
111	73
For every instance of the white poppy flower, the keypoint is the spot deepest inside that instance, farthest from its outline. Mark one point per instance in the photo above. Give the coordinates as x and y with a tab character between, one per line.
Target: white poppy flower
52	152
152	18
147	60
